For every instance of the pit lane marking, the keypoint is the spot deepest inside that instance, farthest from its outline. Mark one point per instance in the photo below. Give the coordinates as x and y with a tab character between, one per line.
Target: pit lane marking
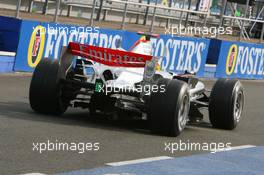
137	161
33	174
236	148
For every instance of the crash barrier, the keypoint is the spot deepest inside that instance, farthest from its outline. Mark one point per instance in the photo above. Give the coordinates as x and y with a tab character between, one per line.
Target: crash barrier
238	59
223	58
9	33
7	60
209	71
44	40
9	38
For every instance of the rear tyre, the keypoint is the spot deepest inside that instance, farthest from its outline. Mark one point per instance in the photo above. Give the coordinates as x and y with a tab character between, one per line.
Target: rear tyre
169	107
226	104
45	94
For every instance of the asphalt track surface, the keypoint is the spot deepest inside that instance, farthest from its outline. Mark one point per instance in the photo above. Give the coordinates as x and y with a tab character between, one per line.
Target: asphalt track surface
20	127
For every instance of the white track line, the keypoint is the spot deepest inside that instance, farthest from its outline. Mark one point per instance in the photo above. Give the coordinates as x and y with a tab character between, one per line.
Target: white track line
235	148
129	162
242	147
33	174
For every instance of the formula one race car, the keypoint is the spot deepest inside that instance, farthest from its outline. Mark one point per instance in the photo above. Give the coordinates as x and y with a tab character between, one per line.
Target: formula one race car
117	82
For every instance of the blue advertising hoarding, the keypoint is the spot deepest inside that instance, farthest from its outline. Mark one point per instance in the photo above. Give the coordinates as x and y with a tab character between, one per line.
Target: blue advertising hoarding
44	40
183	53
240	60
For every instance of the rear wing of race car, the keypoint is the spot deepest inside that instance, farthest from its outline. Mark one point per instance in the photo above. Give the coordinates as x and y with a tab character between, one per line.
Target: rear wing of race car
110	57
106	56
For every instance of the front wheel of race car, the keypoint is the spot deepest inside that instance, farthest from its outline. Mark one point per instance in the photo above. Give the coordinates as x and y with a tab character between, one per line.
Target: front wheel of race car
45	93
169	107
226	104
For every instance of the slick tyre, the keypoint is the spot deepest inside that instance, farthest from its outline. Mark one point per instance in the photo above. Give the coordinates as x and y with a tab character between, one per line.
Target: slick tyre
169	107
226	104
45	93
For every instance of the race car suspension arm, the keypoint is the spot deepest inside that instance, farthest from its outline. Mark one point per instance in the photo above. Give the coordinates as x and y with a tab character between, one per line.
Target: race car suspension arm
202	101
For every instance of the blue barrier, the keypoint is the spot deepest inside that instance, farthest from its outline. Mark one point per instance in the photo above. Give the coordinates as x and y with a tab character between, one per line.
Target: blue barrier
214	51
232	59
209	71
9	33
45	40
240	60
6	62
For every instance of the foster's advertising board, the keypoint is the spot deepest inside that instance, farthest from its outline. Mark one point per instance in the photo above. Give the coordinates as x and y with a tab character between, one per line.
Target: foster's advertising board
241	60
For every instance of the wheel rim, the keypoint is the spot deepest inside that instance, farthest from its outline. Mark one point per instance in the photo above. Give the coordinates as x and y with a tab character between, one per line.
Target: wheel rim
238	106
183	112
